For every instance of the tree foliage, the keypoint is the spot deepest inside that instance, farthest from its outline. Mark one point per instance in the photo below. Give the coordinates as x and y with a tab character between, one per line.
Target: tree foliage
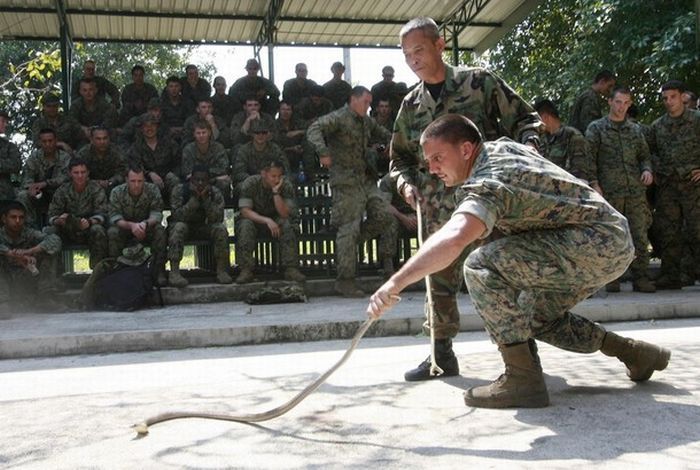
558	49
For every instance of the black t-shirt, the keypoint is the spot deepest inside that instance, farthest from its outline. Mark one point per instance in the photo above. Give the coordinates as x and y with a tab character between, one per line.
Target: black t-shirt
435	89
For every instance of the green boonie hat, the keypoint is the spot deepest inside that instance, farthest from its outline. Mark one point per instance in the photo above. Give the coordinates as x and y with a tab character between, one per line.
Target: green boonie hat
133	255
259	125
154	103
50	99
148	118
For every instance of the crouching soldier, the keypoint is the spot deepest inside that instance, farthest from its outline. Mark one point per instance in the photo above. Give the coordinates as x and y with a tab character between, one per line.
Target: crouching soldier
78	210
268	207
136	212
198	212
27	257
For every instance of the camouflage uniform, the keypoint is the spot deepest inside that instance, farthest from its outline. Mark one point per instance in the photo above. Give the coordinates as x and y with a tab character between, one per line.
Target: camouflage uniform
496	110
164	160
567	148
620	155
255	196
16	281
135	100
238	137
294	91
675	148
175	114
101	114
249	161
310	111
388	191
110	167
394	92
104	88
225	107
194	218
290	144
36	169
337	91
221	134
562	242
216	159
345	136
264	89
202	90
10	165
67	130
132	129
587	108
148	205
88	204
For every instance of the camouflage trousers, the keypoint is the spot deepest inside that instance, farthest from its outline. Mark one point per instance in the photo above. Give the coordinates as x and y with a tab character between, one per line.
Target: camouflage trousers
350	202
248	232
155	237
95	237
638	214
180	232
16	283
524	286
678	202
396	231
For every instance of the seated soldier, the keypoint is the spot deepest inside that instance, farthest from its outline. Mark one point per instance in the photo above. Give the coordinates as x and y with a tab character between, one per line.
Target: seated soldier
135	215
68	131
225	106
159	157
268	208
194	88
219	131
43	172
174	107
27	258
252	157
291	137
133	126
78	211
105	88
198	212
105	162
316	105
403	220
10	161
136	95
259	87
240	124
204	151
90	110
336	89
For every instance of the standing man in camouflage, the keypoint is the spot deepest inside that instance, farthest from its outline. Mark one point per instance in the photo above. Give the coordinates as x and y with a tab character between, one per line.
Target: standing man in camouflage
589	105
78	211
561	242
336	89
564	145
106	164
622	165
674	140
261	88
297	88
495	109
135	216
341	139
197	212
225	106
10	160
268	207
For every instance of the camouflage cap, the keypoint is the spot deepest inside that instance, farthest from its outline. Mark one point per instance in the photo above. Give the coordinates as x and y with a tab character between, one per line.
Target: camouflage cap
259	125
50	99
154	103
133	255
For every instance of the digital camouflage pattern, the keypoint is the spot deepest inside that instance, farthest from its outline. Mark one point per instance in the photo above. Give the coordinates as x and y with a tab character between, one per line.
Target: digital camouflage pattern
308	110
10	166
38	168
293	90
110	166
561	242
587	108
220	134
248	160
265	90
497	111
215	158
66	127
567	148
337	91
238	137
164	160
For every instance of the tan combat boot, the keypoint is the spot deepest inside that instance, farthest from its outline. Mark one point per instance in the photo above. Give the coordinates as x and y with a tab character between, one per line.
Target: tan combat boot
222	275
521	386
641	358
175	279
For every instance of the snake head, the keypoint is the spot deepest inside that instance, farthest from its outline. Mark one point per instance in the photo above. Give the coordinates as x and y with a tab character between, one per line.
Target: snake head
140	428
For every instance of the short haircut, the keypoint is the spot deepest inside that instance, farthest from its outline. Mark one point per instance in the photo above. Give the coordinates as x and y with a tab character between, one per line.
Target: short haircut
252	98
604	75
621	89
202	124
387	69
76	162
286	103
190	67
427	25
273	163
317	90
8	206
89	81
47	130
94	129
219	78
358	91
546	106
137	68
172	79
135	167
200	168
205	100
674	85
453	129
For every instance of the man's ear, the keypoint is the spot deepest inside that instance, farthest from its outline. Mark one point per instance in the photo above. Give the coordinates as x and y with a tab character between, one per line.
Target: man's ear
467	148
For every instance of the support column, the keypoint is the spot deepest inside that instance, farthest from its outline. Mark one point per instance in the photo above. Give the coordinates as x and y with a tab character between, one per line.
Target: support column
271	61
455	47
348	64
66	68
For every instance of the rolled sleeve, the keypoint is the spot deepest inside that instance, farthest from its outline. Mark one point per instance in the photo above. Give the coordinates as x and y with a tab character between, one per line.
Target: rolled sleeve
480	209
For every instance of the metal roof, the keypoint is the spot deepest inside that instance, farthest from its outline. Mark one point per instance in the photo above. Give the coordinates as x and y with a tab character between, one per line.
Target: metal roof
477	24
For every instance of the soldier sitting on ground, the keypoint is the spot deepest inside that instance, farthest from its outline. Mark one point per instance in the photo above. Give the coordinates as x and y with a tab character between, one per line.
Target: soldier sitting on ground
268	207
105	161
27	258
78	211
135	215
197	213
205	151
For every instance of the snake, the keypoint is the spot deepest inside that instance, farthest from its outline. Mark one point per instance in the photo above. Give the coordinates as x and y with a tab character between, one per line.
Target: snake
143	427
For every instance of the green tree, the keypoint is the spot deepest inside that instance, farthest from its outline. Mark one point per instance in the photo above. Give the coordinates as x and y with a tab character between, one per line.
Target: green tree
559	48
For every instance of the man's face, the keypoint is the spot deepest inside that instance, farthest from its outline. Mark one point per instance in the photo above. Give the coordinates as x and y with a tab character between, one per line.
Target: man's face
89	69
285	112
220	86
360	104
204	109
301	71
388	76
261	137
271	177
3	124
192	74
135	182
174	89
383	109
79	175
13	220
251	106
619	104
449	162
199	181
149	129
673	102
422	55
252	70
48	143
202	136
137	77
100	140
688	101
51	110
88	91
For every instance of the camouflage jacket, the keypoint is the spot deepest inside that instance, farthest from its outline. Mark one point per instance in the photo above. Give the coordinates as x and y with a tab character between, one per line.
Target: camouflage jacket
101	114
587	108
10	164
37	169
619	154
29	238
249	161
104	88
216	159
675	144
174	114
475	93
187	207
261	87
225	107
337	91
135	100
67	129
164	159
388	191
148	205
282	129
309	111
110	167
220	134
567	148
345	136
294	91
255	196
237	135
89	204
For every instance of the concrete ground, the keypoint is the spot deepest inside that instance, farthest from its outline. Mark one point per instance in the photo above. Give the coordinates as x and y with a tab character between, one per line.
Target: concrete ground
74	412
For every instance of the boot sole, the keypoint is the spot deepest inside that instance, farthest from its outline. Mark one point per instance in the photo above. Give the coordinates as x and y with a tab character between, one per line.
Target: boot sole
660	363
537	400
424	377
